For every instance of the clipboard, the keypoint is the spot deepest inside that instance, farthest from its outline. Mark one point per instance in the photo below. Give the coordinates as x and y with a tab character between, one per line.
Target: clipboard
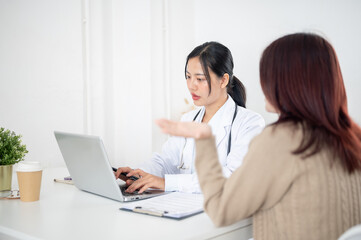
174	205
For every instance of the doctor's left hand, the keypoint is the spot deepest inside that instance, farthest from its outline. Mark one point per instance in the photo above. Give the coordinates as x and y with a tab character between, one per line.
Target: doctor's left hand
145	181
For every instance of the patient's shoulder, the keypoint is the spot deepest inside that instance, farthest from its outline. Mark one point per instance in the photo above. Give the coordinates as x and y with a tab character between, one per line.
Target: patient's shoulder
280	134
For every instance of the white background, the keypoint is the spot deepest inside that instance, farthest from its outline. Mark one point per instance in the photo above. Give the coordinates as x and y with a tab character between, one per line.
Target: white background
109	68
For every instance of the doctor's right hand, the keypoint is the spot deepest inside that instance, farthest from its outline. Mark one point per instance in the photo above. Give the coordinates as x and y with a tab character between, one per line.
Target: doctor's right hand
118	174
145	181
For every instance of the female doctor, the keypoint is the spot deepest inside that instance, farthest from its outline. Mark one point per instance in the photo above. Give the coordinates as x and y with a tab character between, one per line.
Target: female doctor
210	81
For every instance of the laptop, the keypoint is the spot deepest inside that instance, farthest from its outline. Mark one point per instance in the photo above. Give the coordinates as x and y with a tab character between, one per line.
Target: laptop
90	170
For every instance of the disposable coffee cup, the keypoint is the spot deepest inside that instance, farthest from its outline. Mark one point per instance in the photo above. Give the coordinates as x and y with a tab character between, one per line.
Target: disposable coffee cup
29	180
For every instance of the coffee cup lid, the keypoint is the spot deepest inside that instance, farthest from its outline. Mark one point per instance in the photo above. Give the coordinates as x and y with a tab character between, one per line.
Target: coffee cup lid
28	166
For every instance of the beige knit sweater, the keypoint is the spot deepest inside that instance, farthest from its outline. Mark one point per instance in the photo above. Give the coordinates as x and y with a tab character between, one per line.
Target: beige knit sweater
288	197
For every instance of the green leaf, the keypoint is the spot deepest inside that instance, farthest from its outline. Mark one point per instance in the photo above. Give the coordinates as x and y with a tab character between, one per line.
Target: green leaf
11	149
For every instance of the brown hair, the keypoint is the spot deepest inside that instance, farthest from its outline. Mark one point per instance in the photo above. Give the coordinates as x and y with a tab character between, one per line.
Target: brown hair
301	77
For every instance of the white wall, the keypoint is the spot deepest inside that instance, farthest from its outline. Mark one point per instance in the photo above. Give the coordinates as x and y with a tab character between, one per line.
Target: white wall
41	72
247	27
120	78
111	67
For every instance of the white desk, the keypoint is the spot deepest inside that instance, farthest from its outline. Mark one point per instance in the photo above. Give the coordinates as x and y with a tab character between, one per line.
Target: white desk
65	212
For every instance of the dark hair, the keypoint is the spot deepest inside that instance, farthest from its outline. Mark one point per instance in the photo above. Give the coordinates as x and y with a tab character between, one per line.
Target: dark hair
301	77
218	58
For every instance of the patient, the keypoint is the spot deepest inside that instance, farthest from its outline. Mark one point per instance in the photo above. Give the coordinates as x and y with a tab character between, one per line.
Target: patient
301	178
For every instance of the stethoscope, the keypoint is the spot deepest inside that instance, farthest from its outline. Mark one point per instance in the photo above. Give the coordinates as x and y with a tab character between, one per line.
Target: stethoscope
181	165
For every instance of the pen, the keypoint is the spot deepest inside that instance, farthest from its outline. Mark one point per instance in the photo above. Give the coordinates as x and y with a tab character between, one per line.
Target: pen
134	178
154	212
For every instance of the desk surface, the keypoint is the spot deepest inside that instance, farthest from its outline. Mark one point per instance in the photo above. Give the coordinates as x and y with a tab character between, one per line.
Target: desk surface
65	212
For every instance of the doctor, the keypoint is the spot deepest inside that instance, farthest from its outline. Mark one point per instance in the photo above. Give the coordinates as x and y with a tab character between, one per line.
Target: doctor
210	80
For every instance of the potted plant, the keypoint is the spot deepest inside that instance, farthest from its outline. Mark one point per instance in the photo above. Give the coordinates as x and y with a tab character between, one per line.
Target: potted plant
11	151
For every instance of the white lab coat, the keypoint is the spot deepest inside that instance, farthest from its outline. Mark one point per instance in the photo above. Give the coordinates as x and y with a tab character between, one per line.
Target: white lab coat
246	125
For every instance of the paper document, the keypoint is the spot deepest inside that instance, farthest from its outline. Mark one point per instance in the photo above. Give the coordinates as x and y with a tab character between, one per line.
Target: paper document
173	205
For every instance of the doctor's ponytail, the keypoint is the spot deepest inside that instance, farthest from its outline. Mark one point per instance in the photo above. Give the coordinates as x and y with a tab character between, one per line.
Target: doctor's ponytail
237	91
218	58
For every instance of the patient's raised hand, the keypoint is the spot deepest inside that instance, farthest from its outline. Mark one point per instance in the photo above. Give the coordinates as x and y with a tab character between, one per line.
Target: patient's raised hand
185	129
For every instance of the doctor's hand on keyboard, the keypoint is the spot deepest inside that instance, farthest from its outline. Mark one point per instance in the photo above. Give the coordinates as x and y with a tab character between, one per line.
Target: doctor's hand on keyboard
122	172
144	182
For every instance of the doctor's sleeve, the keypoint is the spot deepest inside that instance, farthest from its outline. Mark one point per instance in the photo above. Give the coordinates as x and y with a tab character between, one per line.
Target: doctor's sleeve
187	183
244	130
166	161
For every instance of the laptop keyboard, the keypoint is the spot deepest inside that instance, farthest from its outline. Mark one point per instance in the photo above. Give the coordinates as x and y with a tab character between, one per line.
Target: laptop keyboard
124	187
